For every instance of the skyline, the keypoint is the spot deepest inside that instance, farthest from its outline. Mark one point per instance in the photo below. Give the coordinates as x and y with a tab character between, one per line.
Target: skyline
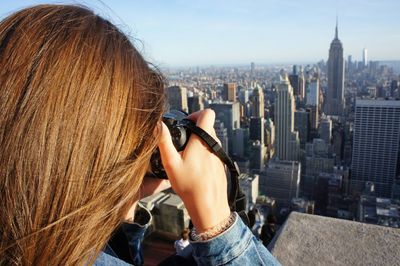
179	33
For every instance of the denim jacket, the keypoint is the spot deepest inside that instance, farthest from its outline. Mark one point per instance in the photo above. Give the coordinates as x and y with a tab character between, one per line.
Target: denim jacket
236	246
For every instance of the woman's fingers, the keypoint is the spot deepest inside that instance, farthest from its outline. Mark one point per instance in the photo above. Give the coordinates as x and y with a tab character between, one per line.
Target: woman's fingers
205	120
170	157
194	116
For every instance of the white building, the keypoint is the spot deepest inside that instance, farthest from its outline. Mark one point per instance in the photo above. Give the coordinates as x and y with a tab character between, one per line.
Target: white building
365	57
249	185
287	139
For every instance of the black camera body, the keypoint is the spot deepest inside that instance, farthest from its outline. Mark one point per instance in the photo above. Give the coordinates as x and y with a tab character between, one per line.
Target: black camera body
177	125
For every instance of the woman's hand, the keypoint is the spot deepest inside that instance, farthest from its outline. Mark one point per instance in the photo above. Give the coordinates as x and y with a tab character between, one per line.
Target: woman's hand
197	175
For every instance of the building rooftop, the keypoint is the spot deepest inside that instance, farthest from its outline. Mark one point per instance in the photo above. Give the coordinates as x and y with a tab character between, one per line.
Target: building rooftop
247	177
152	200
377	102
381	211
174	201
315	240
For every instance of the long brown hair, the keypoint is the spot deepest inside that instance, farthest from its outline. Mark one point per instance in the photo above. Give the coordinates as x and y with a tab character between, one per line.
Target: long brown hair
79	109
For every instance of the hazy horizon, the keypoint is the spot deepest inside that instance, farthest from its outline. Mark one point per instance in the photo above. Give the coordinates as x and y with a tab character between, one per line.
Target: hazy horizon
203	33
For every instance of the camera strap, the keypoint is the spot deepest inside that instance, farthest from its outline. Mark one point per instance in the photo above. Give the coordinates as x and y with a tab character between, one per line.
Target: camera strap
236	197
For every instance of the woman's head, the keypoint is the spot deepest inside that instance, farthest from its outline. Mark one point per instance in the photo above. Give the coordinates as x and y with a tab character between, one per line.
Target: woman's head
79	107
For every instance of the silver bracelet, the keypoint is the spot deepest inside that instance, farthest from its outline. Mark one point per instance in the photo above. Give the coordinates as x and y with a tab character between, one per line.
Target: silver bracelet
213	231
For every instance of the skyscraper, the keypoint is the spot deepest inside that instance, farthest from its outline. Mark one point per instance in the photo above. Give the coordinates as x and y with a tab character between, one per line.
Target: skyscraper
335	92
302	125
177	98
365	57
229	114
312	94
270	127
257	129
257	156
229	92
222	134
243	95
287	139
302	85
195	103
258	102
325	129
242	148
376	141
314	116
294	80
349	63
312	100
249	185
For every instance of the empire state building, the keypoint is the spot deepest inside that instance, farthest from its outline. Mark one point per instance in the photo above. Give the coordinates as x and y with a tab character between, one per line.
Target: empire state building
335	93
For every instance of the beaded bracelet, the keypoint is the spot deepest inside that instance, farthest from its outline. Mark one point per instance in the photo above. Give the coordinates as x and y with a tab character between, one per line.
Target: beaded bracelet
213	231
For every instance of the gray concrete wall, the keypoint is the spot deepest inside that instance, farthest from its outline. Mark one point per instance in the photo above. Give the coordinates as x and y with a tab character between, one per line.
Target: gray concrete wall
315	240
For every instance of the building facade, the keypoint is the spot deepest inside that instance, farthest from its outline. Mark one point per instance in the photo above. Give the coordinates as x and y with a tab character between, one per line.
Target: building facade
302	125
195	103
312	94
257	131
249	185
376	139
229	114
177	98
258	102
222	134
287	139
229	92
325	129
281	181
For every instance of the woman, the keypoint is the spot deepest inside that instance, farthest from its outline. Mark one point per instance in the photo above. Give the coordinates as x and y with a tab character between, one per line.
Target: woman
80	118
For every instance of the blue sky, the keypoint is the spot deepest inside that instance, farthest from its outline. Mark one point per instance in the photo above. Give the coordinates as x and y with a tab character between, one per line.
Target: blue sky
194	32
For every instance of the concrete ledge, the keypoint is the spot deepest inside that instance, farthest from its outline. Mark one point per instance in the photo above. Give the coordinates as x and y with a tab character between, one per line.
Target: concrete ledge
315	240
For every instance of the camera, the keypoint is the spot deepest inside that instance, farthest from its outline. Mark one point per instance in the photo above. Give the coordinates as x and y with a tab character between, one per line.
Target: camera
180	129
177	125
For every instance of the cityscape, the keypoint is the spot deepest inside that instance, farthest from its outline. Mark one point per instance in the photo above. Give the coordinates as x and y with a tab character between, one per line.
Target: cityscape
320	139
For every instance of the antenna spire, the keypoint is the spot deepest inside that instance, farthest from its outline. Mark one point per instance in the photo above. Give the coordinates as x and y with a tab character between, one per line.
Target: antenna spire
336	29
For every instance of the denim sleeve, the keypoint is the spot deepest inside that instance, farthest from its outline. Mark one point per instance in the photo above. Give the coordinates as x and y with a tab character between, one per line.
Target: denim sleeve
105	259
236	246
135	232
